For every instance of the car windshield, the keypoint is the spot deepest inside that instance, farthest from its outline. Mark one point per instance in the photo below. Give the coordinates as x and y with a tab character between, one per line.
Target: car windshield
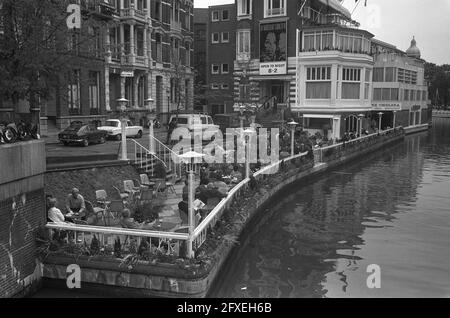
112	124
75	126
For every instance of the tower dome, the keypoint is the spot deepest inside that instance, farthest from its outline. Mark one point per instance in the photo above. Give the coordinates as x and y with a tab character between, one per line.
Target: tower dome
413	51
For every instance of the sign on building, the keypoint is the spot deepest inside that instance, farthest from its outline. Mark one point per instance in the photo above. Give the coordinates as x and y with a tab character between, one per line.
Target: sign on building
273	48
127	74
386	107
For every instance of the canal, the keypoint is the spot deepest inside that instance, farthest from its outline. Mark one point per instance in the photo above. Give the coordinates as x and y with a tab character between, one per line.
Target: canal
392	210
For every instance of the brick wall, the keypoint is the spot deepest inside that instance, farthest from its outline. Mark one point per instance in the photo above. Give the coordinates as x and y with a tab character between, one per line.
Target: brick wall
20	217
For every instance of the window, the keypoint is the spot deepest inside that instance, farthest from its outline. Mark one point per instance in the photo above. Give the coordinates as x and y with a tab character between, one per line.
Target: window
225	15
214	86
215	16
406	95
318	41
367	84
318	82
225	86
225	68
94	96
73	91
407	76
225	37
378	74
351	83
215	38
244	7
215	69
243	45
386	94
274	8
390	74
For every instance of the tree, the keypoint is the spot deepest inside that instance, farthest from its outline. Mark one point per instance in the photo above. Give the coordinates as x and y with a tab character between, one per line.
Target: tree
34	49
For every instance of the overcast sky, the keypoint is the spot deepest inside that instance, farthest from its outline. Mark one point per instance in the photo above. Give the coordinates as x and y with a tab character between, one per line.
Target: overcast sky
397	21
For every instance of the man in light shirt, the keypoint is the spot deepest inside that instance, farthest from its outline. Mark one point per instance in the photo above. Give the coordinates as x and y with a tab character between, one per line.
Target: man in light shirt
54	214
75	203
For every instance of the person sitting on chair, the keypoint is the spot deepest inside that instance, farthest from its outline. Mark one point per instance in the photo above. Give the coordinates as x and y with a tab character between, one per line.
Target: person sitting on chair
54	214
75	203
128	222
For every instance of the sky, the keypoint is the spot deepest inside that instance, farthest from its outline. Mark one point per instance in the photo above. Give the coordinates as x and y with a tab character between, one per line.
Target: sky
397	21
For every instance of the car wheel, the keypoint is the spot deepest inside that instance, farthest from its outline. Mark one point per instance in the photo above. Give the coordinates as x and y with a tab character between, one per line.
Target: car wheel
65	143
139	135
119	137
102	140
85	143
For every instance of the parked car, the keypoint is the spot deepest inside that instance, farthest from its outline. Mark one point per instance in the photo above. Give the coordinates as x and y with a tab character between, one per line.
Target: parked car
113	127
79	133
195	122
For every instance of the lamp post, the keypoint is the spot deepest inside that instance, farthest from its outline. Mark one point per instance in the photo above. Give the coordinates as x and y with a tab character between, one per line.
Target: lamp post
395	113
189	158
361	116
292	124
151	118
123	121
380	114
248	133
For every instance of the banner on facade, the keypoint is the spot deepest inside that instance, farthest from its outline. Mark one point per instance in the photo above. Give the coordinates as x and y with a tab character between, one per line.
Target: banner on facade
273	48
127	74
387	107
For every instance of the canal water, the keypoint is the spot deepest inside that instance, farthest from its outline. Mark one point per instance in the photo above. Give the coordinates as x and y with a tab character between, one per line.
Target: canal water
392	210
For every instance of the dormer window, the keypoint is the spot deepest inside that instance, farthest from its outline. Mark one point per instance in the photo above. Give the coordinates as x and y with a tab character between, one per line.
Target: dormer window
274	8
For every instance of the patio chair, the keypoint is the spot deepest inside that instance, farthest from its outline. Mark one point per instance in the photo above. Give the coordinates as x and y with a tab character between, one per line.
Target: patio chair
171	183
139	185
146	196
94	210
146	181
128	186
160	187
101	196
121	195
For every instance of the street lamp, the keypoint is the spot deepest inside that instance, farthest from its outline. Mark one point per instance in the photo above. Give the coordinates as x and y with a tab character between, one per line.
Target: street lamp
292	124
189	158
380	114
395	113
248	133
123	121
361	116
151	118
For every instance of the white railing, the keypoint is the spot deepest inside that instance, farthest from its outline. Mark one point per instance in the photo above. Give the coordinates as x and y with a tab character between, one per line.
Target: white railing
82	235
168	156
200	233
144	157
319	152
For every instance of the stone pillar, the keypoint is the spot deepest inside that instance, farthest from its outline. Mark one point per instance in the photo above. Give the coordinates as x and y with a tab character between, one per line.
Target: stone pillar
108	46
149	90
122	87
135	90
132	46
122	39
107	96
146	43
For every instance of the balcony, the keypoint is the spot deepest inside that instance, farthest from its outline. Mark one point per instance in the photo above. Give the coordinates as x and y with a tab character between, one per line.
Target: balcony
134	60
101	9
175	26
134	14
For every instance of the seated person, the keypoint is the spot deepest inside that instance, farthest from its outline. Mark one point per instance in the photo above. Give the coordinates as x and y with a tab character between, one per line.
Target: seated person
236	175
204	174
54	214
75	203
128	222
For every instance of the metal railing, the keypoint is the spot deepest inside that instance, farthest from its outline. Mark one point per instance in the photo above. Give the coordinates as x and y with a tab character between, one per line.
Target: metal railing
167	243
144	157
200	233
169	157
320	153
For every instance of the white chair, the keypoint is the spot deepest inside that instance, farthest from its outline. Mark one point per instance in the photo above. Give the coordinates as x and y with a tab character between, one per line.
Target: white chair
146	181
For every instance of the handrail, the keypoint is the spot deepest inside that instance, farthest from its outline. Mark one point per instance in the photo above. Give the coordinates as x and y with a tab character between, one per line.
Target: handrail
117	231
215	214
137	144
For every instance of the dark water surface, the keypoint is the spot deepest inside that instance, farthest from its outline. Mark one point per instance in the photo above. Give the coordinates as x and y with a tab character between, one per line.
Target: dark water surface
392	209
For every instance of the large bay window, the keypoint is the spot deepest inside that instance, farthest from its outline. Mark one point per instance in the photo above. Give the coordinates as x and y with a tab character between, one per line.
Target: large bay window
318	82
351	83
274	8
244	7
243	45
326	40
386	94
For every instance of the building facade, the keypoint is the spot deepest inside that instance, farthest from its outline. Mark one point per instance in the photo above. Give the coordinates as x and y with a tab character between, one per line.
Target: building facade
309	60
215	53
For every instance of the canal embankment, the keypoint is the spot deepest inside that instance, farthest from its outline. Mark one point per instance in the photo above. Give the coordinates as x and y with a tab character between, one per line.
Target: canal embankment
217	235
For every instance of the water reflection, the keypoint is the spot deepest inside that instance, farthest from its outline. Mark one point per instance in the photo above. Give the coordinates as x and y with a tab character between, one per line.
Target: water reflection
390	209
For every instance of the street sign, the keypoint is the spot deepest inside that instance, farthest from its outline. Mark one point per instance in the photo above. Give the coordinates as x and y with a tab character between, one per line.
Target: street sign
127	74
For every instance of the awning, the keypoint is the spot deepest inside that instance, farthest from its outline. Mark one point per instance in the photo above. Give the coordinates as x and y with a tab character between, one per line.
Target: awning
336	5
285	78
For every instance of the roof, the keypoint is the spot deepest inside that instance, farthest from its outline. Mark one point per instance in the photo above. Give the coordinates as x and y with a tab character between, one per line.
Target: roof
336	5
